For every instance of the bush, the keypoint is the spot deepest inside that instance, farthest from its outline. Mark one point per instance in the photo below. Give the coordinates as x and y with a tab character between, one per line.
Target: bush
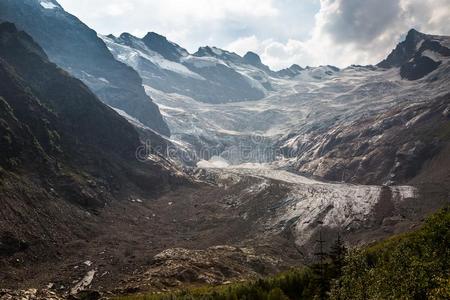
411	266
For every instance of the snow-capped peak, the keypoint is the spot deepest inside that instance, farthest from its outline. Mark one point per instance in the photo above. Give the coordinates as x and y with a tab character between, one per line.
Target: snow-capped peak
225	55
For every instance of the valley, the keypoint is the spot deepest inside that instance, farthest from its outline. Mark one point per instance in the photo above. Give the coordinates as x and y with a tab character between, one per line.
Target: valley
131	165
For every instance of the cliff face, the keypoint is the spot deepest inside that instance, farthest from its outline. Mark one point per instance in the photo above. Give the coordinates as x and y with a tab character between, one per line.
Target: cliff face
76	48
415	55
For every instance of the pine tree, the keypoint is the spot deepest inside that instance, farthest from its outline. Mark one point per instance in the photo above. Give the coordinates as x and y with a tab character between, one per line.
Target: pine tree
321	268
337	256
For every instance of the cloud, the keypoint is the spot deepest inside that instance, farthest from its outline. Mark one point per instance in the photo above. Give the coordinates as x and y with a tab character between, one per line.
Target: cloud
273	53
283	32
355	20
198	22
118	9
352	32
244	44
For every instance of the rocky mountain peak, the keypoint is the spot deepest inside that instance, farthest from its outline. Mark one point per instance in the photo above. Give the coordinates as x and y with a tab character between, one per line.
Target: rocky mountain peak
127	35
296	67
413	34
155	37
252	58
418	55
404	51
163	46
211	51
224	55
290	72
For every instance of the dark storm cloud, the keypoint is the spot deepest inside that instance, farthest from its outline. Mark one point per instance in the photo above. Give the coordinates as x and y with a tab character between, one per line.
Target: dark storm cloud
359	21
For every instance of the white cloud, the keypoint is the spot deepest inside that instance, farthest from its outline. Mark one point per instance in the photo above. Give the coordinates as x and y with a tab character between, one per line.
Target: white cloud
352	32
273	53
283	32
118	9
244	44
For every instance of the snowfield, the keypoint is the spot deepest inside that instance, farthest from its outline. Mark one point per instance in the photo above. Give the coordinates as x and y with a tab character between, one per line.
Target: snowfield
291	111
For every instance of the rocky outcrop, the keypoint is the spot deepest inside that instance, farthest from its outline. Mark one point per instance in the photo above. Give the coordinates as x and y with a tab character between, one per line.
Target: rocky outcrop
413	55
404	51
161	45
215	265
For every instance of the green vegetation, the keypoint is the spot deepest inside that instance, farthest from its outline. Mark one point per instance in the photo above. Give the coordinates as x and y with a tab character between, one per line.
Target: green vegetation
409	266
295	284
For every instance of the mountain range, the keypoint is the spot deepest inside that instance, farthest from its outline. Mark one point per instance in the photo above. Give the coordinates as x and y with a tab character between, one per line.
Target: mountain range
129	164
76	48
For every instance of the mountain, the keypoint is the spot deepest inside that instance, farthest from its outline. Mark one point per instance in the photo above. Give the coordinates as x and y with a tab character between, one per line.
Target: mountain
385	130
65	156
76	48
210	75
364	124
161	45
253	59
292	71
418	55
87	207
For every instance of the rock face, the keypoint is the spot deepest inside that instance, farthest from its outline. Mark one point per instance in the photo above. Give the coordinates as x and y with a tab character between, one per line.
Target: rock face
76	48
60	160
253	59
161	45
404	51
418	55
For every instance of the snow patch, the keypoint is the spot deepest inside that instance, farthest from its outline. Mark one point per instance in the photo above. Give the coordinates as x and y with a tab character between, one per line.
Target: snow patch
103	80
130	119
432	55
132	56
48	5
202	62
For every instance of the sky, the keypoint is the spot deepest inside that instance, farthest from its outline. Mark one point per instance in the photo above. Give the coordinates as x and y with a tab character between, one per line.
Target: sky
282	32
